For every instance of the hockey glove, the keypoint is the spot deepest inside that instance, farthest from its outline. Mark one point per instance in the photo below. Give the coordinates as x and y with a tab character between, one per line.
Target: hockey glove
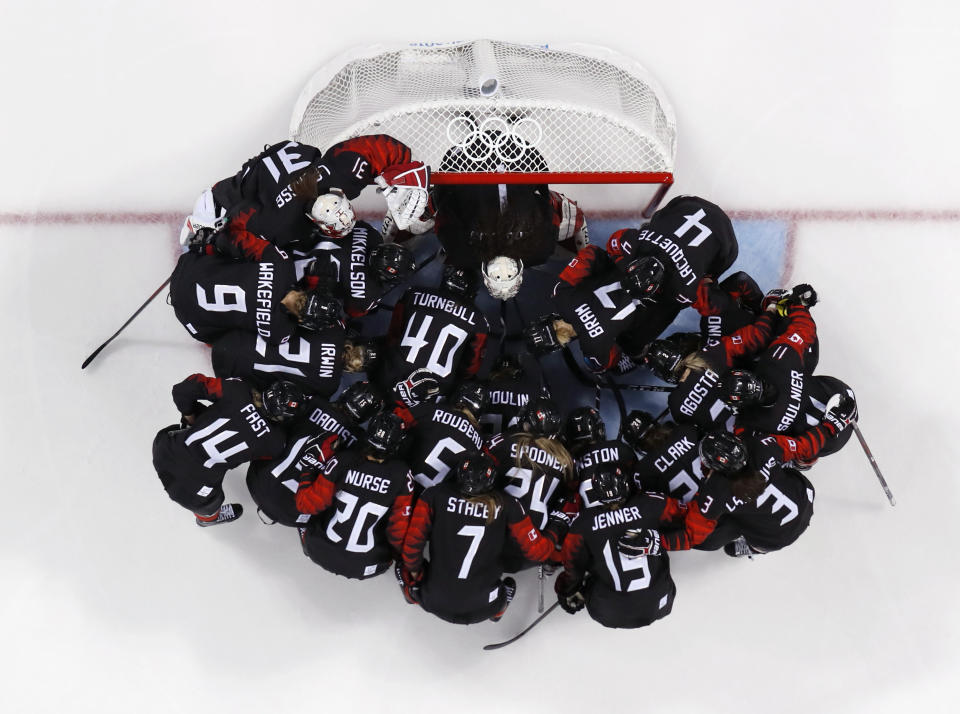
639	543
804	294
570	593
420	386
404	186
841	412
541	336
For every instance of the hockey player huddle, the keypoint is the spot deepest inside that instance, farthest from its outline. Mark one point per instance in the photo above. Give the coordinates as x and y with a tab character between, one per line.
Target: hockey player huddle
452	439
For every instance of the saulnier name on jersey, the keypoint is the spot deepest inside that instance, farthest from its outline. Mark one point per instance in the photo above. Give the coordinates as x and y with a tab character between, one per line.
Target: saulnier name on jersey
438	302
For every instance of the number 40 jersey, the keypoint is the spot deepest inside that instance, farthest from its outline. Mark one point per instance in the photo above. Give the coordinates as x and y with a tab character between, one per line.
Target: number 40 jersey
434	330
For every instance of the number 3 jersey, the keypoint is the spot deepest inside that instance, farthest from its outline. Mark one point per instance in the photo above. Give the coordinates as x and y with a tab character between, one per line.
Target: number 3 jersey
364	509
227	434
211	294
434	330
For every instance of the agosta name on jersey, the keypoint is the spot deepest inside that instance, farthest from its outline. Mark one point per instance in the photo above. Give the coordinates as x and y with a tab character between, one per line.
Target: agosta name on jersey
331	425
469	508
368	481
460	423
264	299
255	420
358	261
616	517
707	381
438	302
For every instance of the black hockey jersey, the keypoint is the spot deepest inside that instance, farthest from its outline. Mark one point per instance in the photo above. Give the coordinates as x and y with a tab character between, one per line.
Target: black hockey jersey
623	592
438	434
690	236
211	295
589	297
357	282
603	452
357	534
508	396
230	432
673	469
462	581
529	474
435	330
273	484
314	360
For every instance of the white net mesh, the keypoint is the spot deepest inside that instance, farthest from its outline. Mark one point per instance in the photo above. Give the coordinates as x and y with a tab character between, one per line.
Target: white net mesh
495	106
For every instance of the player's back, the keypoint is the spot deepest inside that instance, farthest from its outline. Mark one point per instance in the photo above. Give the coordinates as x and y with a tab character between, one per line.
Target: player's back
438	436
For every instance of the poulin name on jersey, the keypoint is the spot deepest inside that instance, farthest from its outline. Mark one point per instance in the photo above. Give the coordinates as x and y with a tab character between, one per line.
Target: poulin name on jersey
446	304
616	518
264	299
508	398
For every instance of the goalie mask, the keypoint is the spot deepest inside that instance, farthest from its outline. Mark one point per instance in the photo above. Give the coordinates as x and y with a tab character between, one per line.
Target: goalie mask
503	277
333	214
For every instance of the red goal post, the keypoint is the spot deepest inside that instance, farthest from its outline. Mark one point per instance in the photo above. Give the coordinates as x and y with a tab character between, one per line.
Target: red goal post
490	112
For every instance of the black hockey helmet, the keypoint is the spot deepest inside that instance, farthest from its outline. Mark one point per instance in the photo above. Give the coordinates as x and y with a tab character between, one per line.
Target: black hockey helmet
743	388
321	310
359	401
371	351
385	434
643	276
283	401
584	426
472	396
722	451
638	425
475	474
609	484
541	416
459	281
391	262
663	359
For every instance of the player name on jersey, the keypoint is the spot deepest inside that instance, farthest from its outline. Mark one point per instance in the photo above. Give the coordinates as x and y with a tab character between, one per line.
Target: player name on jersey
358	263
461	424
438	302
675	452
536	455
471	508
257	422
368	481
264	299
706	382
332	425
615	518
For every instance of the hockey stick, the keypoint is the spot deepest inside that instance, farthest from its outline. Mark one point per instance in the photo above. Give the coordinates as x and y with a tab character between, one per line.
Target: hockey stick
540	577
529	627
99	349
646	387
873	463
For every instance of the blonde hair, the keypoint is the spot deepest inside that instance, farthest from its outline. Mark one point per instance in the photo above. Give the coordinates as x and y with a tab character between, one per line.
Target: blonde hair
564	330
491	500
353	356
295	301
552	447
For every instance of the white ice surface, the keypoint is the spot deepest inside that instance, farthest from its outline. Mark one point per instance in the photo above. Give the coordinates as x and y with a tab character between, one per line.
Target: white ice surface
113	601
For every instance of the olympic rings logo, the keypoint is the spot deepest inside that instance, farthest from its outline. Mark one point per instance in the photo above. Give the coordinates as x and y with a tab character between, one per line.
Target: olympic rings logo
494	136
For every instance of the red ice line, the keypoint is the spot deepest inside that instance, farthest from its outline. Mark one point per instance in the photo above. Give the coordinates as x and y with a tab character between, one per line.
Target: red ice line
792	217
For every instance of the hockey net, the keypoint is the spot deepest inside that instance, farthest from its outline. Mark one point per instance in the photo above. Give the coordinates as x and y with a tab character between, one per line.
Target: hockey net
495	112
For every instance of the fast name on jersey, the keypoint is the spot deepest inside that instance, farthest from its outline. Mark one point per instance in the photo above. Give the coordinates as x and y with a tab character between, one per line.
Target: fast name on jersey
256	421
438	302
